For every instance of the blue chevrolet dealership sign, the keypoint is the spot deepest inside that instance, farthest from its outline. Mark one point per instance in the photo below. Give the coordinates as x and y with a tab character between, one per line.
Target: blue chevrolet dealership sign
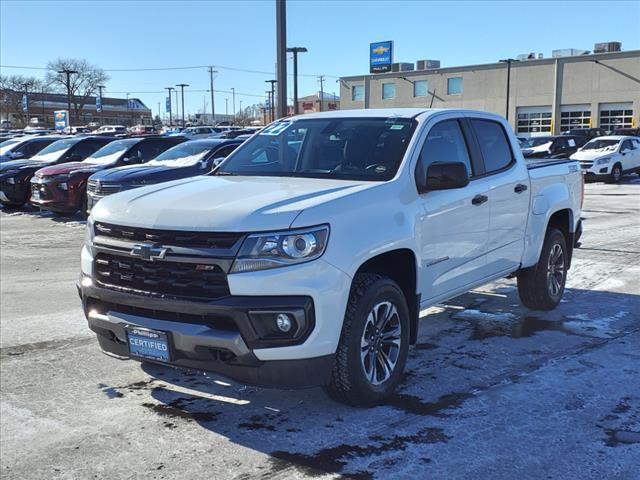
380	57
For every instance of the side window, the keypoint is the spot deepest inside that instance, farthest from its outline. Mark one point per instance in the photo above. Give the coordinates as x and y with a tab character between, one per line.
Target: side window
445	143
85	149
494	144
626	145
148	150
225	151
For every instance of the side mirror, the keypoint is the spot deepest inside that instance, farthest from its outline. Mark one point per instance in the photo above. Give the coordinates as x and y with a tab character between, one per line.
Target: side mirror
217	161
446	175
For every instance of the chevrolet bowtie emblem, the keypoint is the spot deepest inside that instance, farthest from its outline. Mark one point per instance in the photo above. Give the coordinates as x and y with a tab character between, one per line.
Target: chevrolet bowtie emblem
149	251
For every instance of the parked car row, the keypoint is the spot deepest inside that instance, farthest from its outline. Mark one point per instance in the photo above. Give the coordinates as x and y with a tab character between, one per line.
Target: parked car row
72	173
602	157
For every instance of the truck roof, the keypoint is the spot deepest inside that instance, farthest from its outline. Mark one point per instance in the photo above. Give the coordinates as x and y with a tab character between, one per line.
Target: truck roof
384	112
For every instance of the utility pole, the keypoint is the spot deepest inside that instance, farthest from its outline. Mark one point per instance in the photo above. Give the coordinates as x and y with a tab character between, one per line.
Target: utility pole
321	78
100	88
170	118
272	101
213	108
295	51
226	106
233	93
182	85
264	110
68	73
281	41
26	98
241	115
508	61
44	118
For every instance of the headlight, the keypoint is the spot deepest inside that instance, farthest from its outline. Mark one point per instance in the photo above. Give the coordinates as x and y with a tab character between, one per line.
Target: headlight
88	232
602	161
262	251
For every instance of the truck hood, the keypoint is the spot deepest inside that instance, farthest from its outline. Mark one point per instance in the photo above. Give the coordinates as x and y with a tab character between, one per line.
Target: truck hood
64	168
592	154
145	173
21	164
220	203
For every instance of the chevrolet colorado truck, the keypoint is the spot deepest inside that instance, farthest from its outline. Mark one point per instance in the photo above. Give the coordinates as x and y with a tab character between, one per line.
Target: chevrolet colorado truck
306	257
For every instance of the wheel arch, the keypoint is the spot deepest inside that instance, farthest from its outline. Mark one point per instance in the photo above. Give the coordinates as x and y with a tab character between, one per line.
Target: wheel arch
401	266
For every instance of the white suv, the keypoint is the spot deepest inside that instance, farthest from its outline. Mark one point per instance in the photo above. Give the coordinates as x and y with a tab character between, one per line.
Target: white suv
608	158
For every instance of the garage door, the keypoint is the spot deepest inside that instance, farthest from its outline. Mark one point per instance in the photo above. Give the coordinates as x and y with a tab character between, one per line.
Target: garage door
574	116
616	115
534	120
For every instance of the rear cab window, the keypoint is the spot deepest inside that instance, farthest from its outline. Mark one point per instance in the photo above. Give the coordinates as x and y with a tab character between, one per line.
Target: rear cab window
494	145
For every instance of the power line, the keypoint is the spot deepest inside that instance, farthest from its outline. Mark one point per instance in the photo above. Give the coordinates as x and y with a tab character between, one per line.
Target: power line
158	69
193	91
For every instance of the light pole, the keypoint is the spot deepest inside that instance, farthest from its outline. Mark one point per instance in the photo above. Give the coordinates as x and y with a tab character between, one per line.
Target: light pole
170	117
213	108
281	46
321	80
100	88
508	61
26	99
68	73
129	115
226	107
182	85
233	94
295	51
272	101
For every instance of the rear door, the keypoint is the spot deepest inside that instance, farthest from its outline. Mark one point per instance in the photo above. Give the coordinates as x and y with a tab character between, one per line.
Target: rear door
455	223
630	155
508	192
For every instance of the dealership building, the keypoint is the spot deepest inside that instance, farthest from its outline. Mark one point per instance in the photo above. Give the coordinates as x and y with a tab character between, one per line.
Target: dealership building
573	89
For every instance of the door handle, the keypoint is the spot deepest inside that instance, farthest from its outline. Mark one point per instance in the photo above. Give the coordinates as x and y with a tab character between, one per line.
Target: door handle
520	188
479	199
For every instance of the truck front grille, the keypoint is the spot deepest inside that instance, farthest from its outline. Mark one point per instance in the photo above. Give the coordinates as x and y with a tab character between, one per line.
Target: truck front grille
169	237
100	189
175	279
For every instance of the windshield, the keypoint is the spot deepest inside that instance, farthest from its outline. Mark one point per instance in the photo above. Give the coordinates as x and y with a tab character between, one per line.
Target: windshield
599	144
340	148
183	155
9	145
55	150
535	142
111	152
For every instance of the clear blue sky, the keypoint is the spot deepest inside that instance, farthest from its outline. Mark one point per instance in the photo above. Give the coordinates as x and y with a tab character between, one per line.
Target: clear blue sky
241	34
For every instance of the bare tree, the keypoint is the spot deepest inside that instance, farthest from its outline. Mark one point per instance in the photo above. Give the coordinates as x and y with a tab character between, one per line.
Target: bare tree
82	84
12	88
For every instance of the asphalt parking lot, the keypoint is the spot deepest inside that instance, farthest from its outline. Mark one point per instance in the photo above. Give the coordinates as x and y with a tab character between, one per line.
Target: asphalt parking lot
492	389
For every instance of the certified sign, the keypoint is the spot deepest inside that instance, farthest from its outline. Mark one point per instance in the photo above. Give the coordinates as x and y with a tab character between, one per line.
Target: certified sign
61	119
380	57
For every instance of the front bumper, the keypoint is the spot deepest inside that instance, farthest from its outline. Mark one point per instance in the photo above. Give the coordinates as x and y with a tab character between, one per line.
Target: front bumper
50	195
17	192
197	340
594	172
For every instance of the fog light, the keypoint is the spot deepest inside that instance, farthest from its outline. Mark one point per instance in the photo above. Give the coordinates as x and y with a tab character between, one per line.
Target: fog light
283	322
63	186
11	181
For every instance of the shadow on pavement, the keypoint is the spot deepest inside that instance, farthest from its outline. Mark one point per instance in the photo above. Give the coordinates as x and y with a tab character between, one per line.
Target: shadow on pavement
467	347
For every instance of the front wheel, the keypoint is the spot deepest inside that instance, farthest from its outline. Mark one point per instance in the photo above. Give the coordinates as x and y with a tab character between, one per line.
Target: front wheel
541	287
616	174
374	343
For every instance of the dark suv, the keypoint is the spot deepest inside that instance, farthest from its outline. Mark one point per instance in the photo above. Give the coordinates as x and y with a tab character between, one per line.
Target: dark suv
589	133
561	146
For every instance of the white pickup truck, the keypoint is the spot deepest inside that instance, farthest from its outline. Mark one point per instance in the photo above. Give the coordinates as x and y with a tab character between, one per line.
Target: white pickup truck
306	257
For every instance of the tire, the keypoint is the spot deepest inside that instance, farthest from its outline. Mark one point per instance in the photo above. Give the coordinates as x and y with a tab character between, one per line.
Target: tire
82	205
541	287
368	379
616	174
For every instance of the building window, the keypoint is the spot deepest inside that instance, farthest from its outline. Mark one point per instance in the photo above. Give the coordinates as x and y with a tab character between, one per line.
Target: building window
420	88
357	93
610	120
388	91
534	121
577	119
454	86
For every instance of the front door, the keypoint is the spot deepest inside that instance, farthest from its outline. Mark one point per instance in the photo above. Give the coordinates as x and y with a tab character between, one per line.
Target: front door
455	222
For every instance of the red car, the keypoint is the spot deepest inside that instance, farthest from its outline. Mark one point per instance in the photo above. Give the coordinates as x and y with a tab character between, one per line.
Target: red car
62	188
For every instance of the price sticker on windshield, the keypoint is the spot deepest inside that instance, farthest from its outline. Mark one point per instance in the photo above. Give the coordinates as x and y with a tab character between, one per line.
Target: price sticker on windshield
276	128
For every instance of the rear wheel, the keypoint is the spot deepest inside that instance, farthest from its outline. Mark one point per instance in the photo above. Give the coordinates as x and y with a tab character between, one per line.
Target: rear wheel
541	287
374	343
